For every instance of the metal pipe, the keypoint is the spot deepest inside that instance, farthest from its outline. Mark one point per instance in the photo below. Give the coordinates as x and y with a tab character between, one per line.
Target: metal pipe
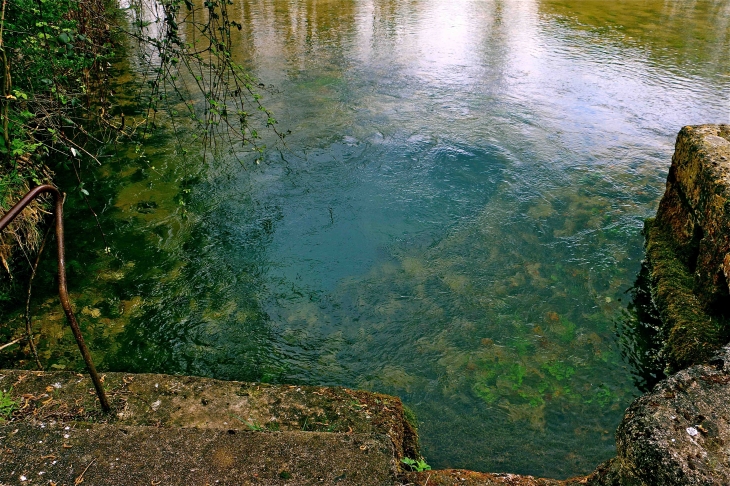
62	290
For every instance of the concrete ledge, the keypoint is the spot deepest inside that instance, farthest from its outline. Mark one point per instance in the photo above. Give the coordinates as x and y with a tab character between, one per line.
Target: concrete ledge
696	205
186	401
130	455
185	430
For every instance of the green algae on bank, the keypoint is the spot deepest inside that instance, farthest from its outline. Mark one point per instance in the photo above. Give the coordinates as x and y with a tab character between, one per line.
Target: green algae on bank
693	335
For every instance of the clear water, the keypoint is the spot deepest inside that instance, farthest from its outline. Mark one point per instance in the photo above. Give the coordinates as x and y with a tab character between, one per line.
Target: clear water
455	219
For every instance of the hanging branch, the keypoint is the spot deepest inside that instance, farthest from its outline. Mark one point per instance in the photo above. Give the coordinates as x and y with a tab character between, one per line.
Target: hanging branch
196	70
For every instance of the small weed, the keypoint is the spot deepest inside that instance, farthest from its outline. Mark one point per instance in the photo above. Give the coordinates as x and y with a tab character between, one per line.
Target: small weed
251	425
416	465
7	406
254	426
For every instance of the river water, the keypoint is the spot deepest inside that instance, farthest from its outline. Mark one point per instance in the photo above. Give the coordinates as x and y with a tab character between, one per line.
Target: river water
455	218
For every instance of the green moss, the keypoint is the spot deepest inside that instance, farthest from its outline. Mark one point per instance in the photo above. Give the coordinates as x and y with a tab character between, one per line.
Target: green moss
410	417
693	335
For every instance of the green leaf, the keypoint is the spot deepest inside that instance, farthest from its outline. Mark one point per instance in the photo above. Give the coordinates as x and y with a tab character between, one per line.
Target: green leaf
416	465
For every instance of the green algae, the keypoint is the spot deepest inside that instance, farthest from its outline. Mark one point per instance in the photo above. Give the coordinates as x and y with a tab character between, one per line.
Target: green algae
692	334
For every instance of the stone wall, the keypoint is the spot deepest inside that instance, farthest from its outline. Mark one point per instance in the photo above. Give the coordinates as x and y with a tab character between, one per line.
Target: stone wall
688	247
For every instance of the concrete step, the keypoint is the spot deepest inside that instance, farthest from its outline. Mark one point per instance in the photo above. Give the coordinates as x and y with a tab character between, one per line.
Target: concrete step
186	401
185	430
103	454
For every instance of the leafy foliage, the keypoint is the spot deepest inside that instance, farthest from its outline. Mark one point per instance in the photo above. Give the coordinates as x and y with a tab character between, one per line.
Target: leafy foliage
58	106
417	465
56	56
53	57
7	406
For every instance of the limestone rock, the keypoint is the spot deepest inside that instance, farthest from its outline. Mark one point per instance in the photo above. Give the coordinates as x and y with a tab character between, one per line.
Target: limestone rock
680	432
696	206
688	247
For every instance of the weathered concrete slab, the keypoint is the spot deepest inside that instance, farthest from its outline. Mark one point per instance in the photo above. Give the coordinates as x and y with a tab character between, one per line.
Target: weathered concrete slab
130	455
696	204
185	401
186	430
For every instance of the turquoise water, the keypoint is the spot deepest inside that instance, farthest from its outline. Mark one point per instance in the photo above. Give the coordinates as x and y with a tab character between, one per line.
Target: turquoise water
455	218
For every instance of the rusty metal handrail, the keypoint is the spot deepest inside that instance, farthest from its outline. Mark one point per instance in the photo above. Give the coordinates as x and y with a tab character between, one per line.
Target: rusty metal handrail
62	290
